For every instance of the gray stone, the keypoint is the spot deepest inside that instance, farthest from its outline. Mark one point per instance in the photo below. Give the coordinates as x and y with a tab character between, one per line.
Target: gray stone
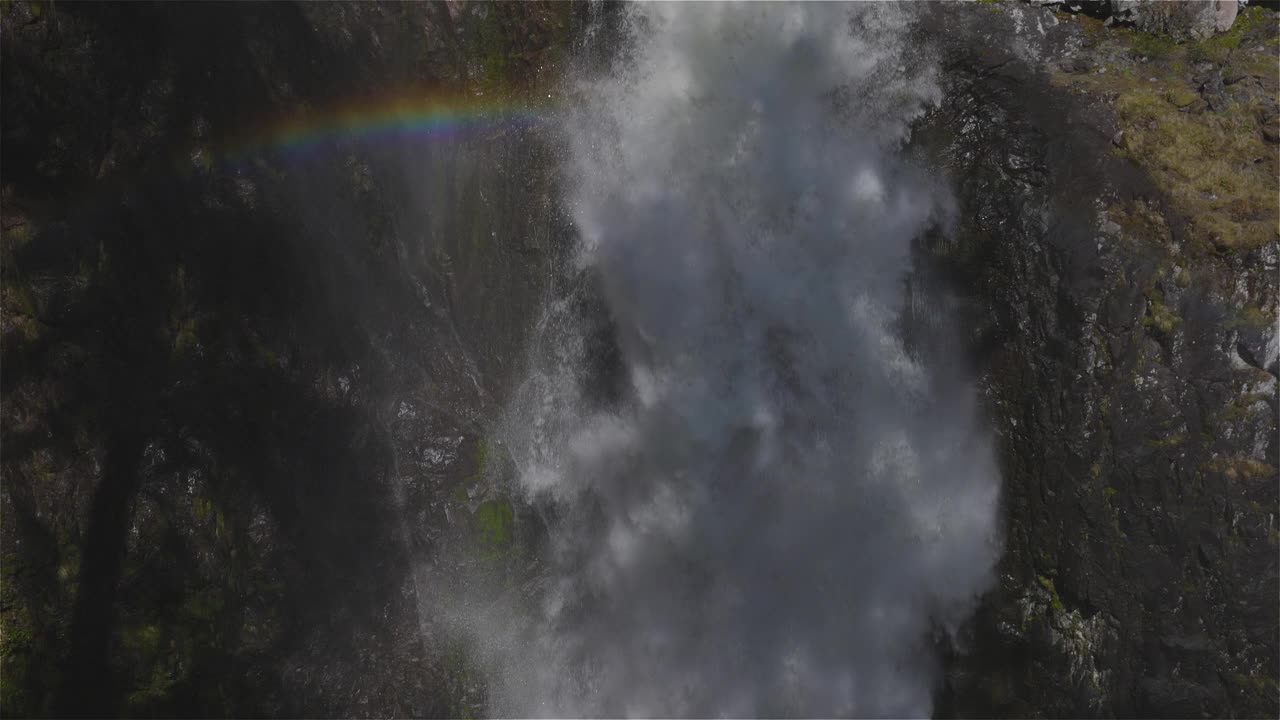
1181	19
1232	74
1225	12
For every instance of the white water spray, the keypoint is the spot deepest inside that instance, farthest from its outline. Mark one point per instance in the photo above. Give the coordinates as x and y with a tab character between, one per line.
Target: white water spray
785	503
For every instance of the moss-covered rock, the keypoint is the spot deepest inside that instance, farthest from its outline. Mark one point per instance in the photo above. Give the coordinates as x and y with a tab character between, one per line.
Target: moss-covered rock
493	524
1203	146
1119	355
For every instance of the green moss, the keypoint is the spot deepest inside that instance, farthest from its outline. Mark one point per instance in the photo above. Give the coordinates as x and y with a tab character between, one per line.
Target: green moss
156	689
480	459
264	356
455	659
1219	48
1262	65
1181	97
16	638
159	664
458	673
479	464
1088	23
1261	684
1253	317
493	521
185	339
204	605
1215	167
202	158
69	570
1241	468
1108	495
1254	18
480	231
141	639
1169	441
1155	47
1054	600
488	44
21	299
1141	221
1159	315
1237	411
1208	51
18	235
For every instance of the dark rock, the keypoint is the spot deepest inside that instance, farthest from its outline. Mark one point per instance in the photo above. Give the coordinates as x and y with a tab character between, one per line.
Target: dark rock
1198	642
302	583
1110	478
1170	698
1211	89
1077	65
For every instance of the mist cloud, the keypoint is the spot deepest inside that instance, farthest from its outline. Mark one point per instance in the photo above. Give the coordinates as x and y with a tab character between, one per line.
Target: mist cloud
786	501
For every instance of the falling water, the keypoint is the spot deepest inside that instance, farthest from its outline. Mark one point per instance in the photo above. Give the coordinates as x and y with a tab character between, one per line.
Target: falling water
782	504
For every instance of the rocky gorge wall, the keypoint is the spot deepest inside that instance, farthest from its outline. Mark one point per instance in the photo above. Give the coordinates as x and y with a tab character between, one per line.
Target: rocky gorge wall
314	367
222	378
1130	356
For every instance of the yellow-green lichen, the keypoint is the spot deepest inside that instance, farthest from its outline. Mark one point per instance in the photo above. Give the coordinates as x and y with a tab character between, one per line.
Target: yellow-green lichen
493	523
1242	468
1151	46
1171	440
480	459
1219	48
1258	683
1055	601
185	338
459	677
1212	163
16	638
1159	315
1251	316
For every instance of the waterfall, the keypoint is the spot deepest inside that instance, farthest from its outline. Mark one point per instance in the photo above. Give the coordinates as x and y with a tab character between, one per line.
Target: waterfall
782	504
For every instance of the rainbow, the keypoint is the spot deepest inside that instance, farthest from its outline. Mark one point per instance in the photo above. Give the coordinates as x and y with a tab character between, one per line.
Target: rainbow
400	116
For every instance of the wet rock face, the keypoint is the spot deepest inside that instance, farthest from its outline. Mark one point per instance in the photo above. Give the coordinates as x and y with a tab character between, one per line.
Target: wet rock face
1139	443
306	342
1130	373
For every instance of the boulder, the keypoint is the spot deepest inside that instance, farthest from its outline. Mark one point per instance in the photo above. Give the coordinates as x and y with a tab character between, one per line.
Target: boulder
1179	19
